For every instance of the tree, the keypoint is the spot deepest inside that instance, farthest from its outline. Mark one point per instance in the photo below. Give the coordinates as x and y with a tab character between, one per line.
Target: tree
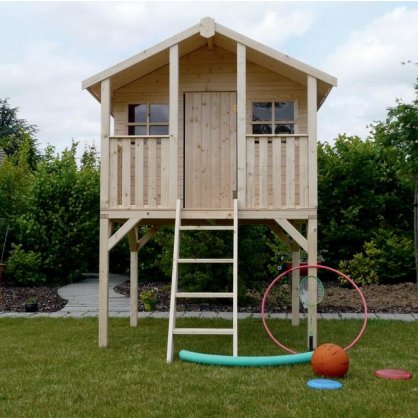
398	133
15	132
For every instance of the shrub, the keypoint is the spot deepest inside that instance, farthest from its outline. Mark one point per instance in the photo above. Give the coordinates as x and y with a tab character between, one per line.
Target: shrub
24	266
388	258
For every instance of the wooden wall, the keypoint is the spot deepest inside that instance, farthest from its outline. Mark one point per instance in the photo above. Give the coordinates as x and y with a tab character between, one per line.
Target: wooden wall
209	70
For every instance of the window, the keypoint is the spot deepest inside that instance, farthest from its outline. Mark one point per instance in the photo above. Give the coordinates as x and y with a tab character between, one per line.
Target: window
273	118
148	119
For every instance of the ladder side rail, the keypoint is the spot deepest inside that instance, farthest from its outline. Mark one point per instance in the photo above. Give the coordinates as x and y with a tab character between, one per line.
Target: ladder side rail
235	282
174	285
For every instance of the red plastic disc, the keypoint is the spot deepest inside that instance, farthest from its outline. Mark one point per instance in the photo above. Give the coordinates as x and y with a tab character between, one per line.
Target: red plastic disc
395	374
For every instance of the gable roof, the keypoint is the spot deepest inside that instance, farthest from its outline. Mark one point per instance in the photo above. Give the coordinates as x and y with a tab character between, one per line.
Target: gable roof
197	36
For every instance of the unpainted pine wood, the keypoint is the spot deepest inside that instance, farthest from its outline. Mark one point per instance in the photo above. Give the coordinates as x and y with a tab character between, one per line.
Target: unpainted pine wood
250	173
139	173
103	282
276	169
113	173
215	155
152	173
165	174
196	156
233	153
290	172
312	272
312	142
241	123
105	134
303	156
172	166
295	285
126	173
225	139
205	149
263	175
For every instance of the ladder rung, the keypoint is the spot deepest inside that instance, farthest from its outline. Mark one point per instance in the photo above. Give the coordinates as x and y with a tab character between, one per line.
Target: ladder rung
203	331
204	295
204	260
206	228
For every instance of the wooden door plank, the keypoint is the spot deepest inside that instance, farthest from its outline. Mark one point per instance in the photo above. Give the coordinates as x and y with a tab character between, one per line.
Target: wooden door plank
215	155
205	150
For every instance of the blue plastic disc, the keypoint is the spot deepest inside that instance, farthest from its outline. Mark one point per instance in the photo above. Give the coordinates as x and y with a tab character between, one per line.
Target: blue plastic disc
324	384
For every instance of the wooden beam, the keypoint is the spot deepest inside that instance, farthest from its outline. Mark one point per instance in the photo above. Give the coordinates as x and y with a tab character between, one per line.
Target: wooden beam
173	121
148	235
133	244
122	231
293	233
312	142
312	288
104	146
103	283
241	124
280	234
207	27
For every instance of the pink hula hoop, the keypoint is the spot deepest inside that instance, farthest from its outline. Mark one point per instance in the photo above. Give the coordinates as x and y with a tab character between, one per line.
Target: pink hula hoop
278	278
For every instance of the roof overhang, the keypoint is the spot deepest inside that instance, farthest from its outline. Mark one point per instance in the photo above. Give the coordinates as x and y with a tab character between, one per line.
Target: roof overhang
197	36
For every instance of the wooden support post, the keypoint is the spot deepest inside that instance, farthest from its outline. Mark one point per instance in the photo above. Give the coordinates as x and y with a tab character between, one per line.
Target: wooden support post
312	142
312	260
104	145
105	226
103	283
312	101
173	122
133	244
241	124
295	284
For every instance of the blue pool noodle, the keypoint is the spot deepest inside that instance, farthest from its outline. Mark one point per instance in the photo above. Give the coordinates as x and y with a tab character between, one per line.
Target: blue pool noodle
243	361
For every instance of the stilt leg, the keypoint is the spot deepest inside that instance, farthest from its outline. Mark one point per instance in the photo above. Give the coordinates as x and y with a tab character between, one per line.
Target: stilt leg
103	283
312	259
134	278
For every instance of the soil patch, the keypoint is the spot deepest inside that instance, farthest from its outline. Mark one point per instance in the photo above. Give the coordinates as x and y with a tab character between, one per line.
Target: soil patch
13	298
398	298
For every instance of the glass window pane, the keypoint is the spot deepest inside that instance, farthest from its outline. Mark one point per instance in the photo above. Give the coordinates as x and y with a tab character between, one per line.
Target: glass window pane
262	111
158	130
137	113
159	113
137	130
261	129
284	111
285	129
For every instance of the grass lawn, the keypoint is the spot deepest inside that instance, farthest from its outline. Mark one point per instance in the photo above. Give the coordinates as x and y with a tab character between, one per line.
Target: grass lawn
53	367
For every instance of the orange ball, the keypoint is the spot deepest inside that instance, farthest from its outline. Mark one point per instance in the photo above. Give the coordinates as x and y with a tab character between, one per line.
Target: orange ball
330	360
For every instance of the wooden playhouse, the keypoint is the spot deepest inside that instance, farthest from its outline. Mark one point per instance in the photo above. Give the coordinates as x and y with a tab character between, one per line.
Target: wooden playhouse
211	129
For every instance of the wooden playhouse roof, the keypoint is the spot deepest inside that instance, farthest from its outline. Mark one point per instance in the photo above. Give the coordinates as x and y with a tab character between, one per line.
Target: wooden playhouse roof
197	36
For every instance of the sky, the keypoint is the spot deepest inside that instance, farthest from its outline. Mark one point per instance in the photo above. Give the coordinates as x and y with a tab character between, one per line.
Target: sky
48	48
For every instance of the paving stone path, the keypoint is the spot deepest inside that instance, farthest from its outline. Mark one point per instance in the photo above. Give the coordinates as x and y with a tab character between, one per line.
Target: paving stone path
83	301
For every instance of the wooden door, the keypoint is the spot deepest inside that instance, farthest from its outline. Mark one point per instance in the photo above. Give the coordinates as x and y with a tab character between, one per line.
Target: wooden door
210	150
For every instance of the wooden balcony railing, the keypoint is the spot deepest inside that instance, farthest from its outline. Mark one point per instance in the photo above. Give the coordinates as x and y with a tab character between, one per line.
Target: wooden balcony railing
139	172
277	171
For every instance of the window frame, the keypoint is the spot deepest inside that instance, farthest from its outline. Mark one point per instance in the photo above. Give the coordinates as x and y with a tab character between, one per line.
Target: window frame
273	122
147	124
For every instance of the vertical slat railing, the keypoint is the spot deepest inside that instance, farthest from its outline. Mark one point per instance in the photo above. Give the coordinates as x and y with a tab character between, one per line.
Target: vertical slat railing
139	172
277	171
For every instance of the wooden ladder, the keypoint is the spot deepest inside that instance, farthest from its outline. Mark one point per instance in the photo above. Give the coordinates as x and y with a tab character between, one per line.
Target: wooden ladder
172	329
